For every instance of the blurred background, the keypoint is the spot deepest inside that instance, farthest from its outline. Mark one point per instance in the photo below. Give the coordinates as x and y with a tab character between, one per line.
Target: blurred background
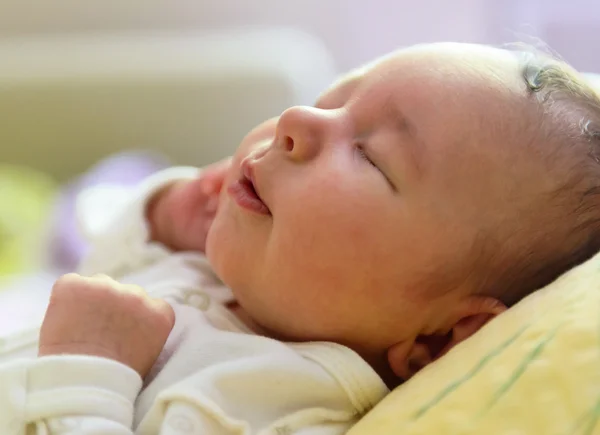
111	91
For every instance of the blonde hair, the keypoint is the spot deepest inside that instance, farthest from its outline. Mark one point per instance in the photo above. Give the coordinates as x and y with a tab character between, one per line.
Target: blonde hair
553	80
569	127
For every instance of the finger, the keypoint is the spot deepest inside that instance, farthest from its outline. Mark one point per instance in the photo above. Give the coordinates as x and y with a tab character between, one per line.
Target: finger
207	186
212	205
101	277
219	166
223	170
166	310
135	290
218	185
64	282
69	277
213	176
215	170
211	185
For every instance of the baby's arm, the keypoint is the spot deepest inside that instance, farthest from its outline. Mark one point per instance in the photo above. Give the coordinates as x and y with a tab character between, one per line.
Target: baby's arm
132	228
86	395
100	338
67	394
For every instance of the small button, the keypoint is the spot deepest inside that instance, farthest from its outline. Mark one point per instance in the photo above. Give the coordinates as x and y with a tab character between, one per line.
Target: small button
198	300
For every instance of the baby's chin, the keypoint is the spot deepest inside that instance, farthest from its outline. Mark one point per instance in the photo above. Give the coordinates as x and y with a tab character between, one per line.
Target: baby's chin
218	251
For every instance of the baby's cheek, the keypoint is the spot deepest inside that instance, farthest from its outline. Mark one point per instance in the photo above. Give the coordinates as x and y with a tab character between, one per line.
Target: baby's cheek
261	133
212	244
338	208
320	227
219	241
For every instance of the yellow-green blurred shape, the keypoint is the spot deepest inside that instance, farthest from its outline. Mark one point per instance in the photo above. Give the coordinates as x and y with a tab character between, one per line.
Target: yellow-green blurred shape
26	201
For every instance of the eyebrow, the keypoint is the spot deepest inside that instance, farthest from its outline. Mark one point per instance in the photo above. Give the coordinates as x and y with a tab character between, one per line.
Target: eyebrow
405	126
342	88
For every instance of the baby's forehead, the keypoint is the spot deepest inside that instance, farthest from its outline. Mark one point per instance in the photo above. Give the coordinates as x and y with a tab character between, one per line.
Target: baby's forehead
444	62
456	98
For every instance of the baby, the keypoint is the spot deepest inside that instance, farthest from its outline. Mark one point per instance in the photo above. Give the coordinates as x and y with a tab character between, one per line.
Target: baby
361	238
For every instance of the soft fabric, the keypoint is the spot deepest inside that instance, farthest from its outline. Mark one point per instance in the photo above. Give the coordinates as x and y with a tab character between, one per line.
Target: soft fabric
535	370
214	376
123	169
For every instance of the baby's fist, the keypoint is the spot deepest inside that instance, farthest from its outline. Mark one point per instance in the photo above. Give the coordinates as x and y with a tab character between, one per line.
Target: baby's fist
181	214
101	317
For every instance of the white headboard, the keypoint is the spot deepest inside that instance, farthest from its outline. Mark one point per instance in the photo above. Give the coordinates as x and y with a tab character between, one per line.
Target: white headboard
65	102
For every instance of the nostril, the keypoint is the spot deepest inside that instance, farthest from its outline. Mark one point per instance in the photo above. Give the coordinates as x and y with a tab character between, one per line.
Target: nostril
288	143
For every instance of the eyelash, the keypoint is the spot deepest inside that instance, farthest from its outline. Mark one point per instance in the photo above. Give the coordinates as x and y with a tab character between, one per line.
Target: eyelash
363	155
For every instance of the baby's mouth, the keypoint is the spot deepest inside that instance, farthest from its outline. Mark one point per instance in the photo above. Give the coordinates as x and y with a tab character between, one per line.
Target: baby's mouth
245	192
249	184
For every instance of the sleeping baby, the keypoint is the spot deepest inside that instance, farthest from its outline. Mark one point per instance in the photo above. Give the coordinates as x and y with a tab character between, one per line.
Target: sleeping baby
342	249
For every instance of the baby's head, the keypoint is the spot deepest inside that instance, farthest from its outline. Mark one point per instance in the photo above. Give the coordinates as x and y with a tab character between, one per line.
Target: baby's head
421	195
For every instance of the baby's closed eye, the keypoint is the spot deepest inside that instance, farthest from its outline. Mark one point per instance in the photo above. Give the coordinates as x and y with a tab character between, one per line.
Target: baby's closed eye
364	155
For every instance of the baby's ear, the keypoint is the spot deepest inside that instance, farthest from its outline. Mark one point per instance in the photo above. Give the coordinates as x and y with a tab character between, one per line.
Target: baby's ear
410	356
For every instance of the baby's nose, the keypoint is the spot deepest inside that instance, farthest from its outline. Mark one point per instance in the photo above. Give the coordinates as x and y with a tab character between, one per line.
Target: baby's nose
302	131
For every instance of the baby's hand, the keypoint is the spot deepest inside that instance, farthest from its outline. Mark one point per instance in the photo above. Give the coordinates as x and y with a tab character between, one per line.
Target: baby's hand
100	317
181	215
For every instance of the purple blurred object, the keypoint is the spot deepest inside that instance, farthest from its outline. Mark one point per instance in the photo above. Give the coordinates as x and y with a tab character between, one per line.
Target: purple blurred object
125	169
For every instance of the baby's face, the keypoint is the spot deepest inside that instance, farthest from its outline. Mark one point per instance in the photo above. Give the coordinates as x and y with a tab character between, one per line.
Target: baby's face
372	198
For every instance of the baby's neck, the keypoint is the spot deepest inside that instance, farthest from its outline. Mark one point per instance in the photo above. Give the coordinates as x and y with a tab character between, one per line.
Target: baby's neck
377	362
245	318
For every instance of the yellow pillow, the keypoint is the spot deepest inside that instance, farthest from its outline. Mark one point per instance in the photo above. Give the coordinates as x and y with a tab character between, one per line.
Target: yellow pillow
533	370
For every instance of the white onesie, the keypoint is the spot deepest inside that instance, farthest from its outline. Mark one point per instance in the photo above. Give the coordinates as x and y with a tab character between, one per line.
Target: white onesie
213	377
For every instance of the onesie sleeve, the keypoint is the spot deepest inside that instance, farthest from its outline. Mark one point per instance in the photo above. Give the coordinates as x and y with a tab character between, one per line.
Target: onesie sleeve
112	220
240	384
94	396
56	395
